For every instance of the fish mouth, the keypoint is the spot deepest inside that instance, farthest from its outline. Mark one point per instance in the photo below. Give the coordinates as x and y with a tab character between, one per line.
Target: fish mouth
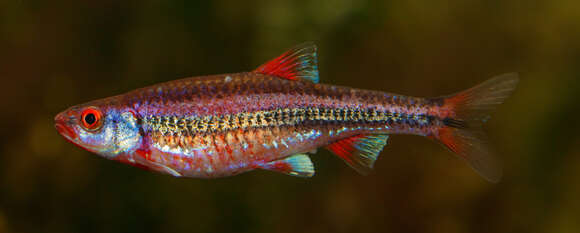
62	126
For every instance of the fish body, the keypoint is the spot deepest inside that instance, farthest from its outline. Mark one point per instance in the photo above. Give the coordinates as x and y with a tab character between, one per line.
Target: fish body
271	118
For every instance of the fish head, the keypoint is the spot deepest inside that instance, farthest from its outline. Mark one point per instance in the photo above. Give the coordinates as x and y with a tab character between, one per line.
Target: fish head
101	129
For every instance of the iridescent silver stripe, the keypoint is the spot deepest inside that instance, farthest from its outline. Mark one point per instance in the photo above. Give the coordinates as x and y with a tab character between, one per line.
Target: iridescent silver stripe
175	125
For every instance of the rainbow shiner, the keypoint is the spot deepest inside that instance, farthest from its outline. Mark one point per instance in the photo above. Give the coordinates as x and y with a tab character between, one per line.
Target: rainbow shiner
272	118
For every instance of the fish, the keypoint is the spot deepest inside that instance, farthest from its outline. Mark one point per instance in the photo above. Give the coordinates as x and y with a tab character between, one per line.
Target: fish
274	118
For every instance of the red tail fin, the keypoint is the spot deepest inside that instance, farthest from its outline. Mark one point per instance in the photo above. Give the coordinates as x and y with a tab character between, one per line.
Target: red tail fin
463	134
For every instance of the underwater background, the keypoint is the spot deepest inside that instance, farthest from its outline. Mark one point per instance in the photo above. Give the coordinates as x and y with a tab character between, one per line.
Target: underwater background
55	54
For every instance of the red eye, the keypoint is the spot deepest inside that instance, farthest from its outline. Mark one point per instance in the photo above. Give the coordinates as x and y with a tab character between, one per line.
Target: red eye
91	119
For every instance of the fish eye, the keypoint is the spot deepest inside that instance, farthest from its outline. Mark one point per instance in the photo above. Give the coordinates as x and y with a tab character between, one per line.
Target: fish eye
91	119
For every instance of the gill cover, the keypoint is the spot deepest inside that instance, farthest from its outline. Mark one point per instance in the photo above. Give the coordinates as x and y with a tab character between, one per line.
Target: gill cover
118	134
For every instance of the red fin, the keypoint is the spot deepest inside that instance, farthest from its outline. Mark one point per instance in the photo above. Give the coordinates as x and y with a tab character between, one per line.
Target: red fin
463	133
298	63
143	160
141	155
361	151
475	104
294	165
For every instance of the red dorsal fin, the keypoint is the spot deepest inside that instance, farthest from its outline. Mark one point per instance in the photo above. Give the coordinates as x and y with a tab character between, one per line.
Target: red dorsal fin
298	63
360	151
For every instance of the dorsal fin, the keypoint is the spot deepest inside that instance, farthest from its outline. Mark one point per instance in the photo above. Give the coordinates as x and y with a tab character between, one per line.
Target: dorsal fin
298	63
360	151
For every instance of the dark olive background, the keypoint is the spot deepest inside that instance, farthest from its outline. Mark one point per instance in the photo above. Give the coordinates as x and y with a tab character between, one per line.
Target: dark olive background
54	54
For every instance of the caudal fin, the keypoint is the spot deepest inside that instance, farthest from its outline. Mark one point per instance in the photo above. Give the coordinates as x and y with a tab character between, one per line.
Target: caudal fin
463	134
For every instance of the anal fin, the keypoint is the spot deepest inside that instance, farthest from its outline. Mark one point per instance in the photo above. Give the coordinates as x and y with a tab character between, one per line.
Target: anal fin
360	151
295	165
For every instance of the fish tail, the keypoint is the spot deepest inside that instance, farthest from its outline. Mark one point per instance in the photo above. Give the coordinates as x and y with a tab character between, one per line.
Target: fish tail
462	132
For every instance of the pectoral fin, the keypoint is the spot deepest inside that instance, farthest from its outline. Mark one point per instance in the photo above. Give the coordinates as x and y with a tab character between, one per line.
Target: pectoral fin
295	165
165	169
142	162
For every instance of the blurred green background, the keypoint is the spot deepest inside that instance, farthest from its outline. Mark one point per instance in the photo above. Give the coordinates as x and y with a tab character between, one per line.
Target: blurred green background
54	54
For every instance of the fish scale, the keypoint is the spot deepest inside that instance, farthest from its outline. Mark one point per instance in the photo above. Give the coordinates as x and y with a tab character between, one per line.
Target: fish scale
274	120
271	118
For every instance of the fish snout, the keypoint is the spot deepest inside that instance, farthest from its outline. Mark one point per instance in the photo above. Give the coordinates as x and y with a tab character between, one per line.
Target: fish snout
62	123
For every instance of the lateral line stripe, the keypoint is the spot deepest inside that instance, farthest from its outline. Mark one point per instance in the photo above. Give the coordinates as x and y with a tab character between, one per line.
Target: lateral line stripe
173	125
